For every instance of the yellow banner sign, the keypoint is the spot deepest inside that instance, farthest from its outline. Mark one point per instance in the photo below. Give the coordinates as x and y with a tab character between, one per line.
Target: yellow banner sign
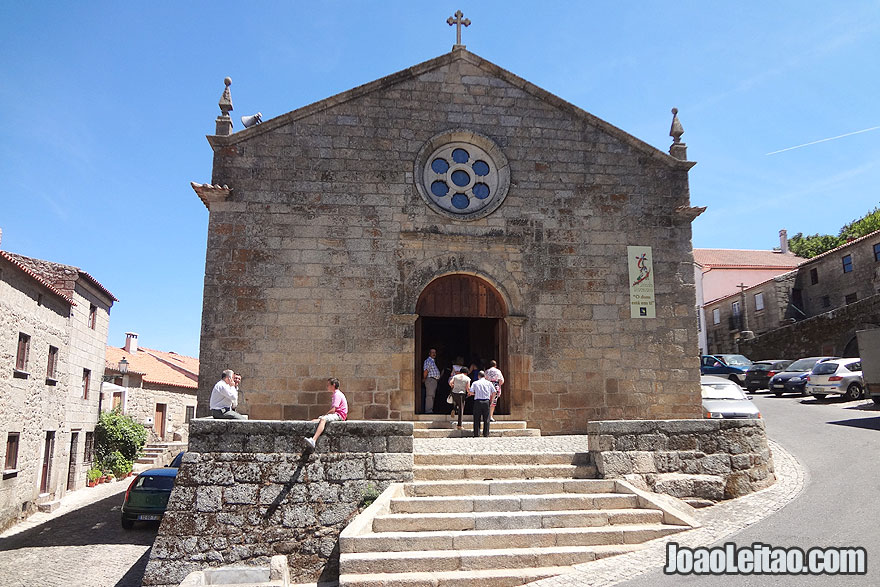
641	282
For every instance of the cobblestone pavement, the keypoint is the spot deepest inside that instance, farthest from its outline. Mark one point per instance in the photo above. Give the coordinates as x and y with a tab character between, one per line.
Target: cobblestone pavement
509	444
718	522
81	543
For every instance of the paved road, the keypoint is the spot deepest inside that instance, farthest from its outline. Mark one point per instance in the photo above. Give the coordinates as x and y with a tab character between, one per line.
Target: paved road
84	547
839	445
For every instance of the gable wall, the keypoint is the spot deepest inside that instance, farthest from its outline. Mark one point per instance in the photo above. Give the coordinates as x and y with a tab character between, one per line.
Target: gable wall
315	264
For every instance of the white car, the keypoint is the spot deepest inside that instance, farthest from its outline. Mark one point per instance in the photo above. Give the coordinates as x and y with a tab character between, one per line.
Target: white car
722	398
840	376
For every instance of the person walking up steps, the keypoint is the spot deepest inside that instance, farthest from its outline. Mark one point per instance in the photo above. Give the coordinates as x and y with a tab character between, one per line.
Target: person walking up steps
483	392
493	374
461	385
338	411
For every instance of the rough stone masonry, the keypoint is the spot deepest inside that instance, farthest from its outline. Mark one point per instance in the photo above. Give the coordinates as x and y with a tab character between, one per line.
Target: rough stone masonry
247	491
328	224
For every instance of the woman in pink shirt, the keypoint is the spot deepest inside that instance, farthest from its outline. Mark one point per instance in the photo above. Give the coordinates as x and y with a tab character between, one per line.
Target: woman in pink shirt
338	411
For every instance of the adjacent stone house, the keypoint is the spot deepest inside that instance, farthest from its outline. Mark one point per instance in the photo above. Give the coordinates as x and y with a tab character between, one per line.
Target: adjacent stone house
452	205
53	329
832	296
156	388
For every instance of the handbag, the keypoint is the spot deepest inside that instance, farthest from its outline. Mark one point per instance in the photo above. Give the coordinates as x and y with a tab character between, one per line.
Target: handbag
449	399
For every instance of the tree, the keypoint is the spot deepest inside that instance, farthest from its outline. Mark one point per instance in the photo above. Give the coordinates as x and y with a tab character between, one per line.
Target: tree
816	244
118	442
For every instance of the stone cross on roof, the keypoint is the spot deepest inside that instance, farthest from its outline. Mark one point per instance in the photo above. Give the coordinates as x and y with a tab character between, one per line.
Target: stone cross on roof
458	22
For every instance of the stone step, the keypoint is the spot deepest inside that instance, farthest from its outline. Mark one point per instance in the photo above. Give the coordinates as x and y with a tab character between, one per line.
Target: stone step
448	424
512	503
508	520
467	431
433	417
509	487
453	472
146	460
515	538
440	561
476	578
481	458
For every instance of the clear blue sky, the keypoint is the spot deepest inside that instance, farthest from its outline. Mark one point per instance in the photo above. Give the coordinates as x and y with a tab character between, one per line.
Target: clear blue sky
105	106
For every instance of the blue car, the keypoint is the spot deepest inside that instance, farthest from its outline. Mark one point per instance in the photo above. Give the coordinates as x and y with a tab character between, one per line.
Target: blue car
731	367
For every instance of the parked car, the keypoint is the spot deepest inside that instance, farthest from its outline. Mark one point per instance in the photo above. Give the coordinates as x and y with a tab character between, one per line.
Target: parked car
794	378
723	398
732	367
147	496
759	374
841	376
175	462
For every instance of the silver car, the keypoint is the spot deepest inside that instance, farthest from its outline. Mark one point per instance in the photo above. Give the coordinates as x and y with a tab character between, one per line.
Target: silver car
722	398
841	376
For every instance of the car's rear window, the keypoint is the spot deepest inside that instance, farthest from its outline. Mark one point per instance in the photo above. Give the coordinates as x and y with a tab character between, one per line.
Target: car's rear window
760	367
824	368
155	482
802	365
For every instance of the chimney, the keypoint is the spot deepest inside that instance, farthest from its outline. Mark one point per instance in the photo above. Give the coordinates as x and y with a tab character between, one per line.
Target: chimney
783	241
131	342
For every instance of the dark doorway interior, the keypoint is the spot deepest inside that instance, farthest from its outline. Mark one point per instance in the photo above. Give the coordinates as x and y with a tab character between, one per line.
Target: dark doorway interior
477	340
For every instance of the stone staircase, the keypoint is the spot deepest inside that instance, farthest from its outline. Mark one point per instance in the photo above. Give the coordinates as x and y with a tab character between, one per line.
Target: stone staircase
158	454
432	426
498	521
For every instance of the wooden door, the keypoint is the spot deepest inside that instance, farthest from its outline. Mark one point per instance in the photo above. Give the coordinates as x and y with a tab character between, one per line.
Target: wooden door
159	421
46	473
71	467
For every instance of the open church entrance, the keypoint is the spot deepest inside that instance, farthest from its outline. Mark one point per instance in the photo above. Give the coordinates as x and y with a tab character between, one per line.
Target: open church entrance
460	316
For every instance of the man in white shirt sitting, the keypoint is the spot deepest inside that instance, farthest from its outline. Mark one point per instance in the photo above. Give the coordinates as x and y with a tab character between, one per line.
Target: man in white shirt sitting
224	398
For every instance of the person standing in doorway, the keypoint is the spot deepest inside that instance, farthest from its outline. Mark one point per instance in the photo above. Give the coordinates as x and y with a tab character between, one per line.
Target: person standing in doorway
430	376
338	411
483	392
461	386
493	374
224	397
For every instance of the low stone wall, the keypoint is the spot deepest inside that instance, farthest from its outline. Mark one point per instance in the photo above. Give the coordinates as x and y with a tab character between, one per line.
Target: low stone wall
248	490
709	459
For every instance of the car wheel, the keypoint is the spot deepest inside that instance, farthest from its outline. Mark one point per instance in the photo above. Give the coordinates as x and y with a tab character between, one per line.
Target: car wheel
733	378
127	524
876	399
819	395
777	393
854	391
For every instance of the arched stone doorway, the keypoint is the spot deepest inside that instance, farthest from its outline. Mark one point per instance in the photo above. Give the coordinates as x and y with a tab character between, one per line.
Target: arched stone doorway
461	315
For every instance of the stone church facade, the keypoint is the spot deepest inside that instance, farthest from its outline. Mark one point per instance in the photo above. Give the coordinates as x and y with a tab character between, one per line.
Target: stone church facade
456	206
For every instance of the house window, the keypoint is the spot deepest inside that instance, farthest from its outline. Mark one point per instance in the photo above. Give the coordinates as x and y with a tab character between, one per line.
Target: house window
190	413
734	308
87	378
851	298
814	276
93	316
877	252
759	301
21	356
89	454
847	263
11	451
826	302
52	364
716	316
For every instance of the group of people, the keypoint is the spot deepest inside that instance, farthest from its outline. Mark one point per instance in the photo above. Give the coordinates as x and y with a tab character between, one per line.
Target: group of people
483	386
224	400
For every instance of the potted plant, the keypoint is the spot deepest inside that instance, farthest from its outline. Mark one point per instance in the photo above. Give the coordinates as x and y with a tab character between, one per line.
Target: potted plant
92	476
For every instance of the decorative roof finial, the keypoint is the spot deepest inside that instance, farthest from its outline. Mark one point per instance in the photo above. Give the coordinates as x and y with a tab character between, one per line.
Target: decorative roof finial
677	149
224	122
458	22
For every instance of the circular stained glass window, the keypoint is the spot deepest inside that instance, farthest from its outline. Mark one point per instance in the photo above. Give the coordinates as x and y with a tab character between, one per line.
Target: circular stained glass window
462	175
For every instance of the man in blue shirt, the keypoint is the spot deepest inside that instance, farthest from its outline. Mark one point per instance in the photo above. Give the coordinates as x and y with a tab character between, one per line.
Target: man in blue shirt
483	391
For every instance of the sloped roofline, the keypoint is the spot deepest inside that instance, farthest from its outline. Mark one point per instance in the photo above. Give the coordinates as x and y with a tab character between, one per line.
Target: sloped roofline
841	247
37	278
220	141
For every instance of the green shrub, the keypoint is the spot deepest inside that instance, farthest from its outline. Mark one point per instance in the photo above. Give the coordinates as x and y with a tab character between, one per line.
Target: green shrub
118	464
118	439
371	493
94	474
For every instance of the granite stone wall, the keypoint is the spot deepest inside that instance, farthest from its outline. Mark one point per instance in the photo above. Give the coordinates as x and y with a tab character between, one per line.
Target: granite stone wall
319	249
710	459
248	490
